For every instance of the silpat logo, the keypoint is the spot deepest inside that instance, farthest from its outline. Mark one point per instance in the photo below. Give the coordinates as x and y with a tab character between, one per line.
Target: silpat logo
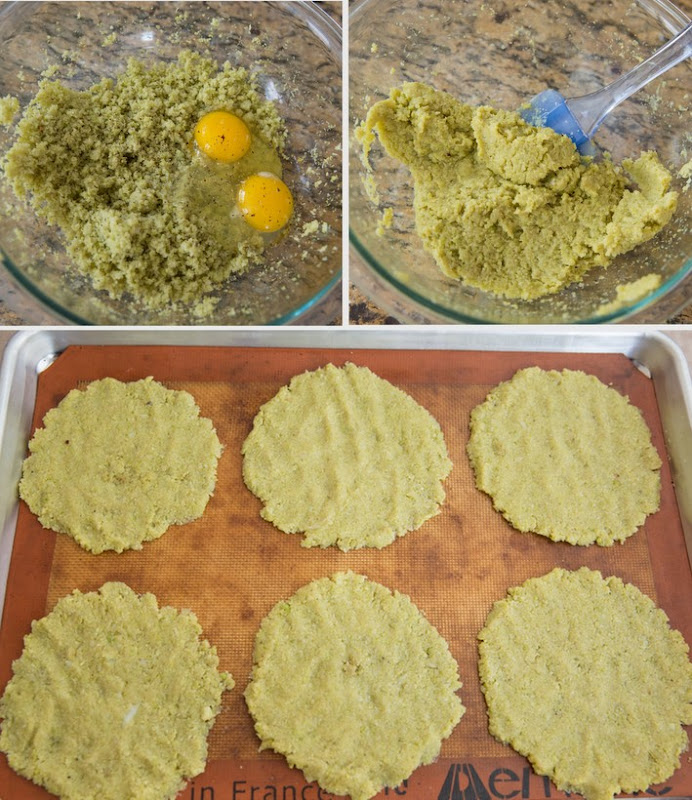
473	785
464	783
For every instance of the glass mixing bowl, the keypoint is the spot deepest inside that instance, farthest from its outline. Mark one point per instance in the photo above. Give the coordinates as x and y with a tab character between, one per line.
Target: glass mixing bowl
293	48
502	53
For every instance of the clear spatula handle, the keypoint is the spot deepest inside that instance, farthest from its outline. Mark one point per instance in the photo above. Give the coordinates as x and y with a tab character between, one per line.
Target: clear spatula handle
590	109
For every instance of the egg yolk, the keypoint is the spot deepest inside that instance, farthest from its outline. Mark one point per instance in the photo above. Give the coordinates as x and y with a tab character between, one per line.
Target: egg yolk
265	202
223	136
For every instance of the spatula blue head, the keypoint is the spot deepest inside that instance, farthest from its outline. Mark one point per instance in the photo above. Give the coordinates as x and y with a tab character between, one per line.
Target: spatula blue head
579	117
549	109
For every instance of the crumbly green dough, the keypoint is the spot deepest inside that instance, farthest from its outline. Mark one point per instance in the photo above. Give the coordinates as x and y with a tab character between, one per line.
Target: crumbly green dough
508	207
584	676
563	455
118	463
345	457
112	698
353	685
115	168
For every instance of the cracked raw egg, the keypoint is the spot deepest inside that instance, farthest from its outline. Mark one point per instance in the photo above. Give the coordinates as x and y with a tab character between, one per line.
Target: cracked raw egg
223	136
265	202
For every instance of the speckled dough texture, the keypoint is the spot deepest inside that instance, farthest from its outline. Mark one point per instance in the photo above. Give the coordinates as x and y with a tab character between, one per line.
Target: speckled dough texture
116	464
565	456
353	685
584	676
113	167
112	698
508	207
345	457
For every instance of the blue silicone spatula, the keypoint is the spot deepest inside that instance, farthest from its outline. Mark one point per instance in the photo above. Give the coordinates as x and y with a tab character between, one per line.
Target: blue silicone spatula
579	117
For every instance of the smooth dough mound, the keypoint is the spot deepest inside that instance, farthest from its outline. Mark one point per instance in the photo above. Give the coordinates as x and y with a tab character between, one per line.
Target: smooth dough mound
511	208
118	463
584	676
353	685
112	698
563	455
345	457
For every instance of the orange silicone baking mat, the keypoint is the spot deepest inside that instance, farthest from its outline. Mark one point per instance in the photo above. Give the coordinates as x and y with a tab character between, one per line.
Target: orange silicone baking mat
230	567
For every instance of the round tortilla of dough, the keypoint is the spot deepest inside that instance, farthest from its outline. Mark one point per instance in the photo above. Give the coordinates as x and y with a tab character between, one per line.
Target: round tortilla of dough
352	685
118	463
345	457
565	456
584	677
112	697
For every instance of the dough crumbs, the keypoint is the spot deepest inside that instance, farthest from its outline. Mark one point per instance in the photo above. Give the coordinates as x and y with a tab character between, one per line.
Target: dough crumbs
584	676
510	208
628	293
565	456
112	166
345	457
112	697
685	172
349	650
9	108
118	463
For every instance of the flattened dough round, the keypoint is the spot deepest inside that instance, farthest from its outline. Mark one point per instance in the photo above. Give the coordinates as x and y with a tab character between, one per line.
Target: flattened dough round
353	685
563	455
584	676
345	457
112	698
118	463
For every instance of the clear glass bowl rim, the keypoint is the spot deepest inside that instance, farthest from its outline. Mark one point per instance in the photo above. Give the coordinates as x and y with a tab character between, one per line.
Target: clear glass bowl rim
319	22
674	20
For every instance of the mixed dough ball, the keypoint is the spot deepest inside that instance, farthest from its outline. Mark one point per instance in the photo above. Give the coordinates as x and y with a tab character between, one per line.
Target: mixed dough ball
508	207
116	464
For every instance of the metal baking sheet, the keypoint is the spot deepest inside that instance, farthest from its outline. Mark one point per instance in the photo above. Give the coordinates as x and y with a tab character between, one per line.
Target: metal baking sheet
257	565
